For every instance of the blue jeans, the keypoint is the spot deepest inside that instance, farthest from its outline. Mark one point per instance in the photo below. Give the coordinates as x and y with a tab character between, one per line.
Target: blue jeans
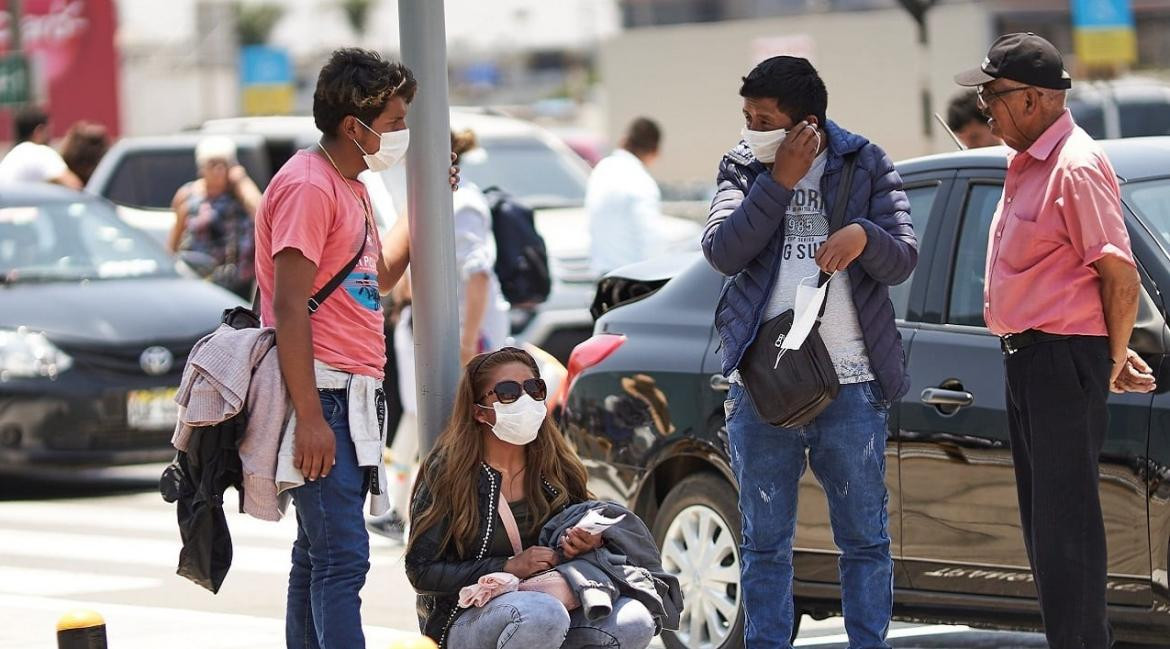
846	449
331	555
531	620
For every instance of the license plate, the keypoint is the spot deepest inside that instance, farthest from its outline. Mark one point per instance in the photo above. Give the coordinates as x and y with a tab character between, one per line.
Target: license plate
152	409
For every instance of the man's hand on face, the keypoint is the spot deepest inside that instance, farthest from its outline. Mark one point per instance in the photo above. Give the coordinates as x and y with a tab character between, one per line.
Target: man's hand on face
796	154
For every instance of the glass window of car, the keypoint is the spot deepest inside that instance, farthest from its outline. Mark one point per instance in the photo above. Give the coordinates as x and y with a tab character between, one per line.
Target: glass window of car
72	240
1142	118
148	179
527	168
966	304
1150	199
1090	116
922	199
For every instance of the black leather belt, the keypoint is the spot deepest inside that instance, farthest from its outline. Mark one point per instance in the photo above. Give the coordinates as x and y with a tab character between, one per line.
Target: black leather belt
1013	343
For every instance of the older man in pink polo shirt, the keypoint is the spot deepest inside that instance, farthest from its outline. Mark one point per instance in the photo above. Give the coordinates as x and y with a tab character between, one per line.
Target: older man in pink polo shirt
1062	291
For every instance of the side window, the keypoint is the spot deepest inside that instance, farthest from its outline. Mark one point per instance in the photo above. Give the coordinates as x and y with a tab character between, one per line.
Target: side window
966	304
149	179
921	204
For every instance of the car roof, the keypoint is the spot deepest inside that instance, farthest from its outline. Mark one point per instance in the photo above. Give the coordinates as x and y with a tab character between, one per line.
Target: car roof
184	141
1133	89
482	122
28	193
1133	158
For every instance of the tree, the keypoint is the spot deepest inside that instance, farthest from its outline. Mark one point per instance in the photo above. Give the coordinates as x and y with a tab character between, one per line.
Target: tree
254	22
917	10
357	12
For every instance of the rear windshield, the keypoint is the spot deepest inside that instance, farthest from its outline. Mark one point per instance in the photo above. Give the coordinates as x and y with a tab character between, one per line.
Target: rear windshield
149	178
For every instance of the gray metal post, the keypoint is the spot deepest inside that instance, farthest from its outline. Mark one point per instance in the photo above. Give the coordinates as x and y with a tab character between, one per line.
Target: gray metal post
432	231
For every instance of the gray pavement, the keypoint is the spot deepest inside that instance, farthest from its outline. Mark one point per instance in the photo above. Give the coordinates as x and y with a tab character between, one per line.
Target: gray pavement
110	544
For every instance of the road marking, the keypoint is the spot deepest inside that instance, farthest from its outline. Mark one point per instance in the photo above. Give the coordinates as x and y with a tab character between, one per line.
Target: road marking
101	548
27	581
938	629
149	627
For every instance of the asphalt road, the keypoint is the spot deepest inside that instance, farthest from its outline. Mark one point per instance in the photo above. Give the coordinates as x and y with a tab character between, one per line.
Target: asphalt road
108	542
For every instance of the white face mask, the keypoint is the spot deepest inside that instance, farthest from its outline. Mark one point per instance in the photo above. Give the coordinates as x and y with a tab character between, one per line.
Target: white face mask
391	150
764	144
519	422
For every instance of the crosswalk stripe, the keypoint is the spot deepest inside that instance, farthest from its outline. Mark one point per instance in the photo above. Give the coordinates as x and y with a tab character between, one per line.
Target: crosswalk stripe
101	548
127	519
140	627
28	581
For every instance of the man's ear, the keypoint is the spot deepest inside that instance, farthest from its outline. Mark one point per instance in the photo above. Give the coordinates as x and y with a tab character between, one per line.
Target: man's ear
348	127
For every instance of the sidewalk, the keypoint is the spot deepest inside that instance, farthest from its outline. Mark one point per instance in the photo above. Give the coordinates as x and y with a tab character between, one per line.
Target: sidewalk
31	623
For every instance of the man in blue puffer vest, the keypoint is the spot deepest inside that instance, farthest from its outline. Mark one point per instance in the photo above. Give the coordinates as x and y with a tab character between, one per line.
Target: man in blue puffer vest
768	230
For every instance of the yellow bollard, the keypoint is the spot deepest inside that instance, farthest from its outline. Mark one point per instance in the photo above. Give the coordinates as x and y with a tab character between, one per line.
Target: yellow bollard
418	642
81	629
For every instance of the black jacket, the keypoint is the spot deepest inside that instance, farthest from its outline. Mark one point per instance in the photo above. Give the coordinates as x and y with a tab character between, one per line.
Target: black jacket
437	577
195	482
629	558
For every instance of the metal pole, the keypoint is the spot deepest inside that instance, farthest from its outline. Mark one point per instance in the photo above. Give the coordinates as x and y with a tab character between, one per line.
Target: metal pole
15	15
432	230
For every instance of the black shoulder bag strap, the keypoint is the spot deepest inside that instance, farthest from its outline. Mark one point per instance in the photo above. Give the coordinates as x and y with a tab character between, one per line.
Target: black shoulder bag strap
319	297
837	220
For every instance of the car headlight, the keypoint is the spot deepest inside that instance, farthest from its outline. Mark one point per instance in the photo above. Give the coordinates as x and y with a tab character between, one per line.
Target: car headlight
29	354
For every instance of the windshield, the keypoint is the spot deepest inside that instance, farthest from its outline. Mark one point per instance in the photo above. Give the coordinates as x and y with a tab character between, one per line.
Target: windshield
74	240
528	169
1150	199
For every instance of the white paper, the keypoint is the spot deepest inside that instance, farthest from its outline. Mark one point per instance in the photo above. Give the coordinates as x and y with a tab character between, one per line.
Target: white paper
808	306
594	522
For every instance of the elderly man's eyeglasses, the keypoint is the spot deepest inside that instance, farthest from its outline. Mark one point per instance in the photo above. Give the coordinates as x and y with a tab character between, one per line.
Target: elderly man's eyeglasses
984	97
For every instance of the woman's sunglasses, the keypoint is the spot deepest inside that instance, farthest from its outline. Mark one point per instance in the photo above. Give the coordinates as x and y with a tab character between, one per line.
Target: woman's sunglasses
510	391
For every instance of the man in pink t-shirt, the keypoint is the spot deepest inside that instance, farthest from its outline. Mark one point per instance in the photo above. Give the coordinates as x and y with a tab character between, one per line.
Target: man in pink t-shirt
314	219
1061	292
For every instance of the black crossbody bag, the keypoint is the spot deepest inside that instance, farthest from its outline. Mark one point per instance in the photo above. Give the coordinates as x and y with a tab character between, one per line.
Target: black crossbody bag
244	318
789	388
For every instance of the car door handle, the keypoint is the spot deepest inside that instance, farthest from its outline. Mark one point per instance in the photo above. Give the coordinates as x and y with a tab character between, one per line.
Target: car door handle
943	397
720	383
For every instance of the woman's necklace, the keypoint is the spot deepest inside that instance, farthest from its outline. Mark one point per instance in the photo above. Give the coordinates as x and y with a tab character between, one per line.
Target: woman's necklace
369	216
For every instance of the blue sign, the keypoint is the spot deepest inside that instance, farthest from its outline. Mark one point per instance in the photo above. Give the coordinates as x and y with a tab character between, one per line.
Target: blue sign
264	65
1102	13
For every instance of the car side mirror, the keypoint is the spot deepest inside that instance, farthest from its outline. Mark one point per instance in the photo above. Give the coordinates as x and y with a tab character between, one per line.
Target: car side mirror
1149	331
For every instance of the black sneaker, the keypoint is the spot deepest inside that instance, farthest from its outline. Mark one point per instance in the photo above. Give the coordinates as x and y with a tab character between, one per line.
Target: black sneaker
391	526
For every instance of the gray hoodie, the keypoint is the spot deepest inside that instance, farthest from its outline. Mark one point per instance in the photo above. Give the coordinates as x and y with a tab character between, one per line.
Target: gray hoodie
629	558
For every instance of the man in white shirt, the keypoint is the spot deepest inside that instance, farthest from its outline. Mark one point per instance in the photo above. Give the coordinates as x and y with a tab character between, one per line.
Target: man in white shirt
32	160
623	200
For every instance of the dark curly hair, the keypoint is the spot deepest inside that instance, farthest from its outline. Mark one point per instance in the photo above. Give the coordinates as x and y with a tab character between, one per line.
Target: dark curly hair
360	83
793	82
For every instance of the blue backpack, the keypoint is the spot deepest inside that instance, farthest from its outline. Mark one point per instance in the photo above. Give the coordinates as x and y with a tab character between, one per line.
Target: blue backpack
521	256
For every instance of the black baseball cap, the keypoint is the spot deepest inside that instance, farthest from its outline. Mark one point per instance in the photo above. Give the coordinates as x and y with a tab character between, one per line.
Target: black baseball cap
1023	57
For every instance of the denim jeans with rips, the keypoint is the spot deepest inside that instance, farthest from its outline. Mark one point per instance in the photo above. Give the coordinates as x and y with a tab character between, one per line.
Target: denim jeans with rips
331	555
845	445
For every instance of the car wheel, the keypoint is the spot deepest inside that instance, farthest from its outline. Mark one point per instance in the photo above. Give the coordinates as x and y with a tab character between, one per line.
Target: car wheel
697	529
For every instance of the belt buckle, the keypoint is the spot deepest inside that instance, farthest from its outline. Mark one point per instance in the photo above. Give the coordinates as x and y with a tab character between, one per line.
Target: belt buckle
1008	348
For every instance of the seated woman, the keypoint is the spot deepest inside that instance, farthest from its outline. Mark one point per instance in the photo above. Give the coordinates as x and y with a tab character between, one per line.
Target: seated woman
500	443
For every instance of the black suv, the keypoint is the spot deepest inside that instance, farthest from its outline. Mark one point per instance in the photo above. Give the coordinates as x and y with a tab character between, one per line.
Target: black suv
644	408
